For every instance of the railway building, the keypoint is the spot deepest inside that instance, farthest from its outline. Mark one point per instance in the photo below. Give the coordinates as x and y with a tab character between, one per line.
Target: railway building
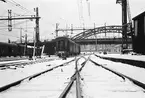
139	33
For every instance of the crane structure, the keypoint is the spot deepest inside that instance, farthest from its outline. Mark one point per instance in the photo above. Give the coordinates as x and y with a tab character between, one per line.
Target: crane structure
125	25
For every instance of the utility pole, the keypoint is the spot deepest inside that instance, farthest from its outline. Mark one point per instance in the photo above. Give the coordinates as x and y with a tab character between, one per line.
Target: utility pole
10	20
37	31
95	36
124	23
105	37
37	26
20	35
56	31
83	27
71	28
25	49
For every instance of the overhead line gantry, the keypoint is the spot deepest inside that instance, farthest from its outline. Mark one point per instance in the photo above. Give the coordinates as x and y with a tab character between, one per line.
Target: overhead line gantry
36	17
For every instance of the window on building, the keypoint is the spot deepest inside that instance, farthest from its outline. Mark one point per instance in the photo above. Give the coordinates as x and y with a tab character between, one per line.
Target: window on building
136	27
144	25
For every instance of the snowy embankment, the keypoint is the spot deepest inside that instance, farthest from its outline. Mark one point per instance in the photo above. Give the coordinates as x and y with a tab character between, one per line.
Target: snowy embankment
126	69
124	56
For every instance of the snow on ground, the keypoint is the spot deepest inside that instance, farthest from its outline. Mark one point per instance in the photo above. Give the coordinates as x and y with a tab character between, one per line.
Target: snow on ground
48	85
100	83
4	62
3	59
126	69
72	91
125	56
10	75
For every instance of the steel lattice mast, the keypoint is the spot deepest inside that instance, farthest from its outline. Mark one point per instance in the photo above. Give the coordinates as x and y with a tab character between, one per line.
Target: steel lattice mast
124	23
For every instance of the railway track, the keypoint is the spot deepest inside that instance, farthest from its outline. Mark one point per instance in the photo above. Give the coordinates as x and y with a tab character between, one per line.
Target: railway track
87	79
138	83
48	81
137	63
22	63
3	59
98	81
3	88
74	84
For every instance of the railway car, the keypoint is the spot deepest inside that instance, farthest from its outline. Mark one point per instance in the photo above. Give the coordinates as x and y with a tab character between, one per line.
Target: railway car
11	49
66	47
49	48
139	34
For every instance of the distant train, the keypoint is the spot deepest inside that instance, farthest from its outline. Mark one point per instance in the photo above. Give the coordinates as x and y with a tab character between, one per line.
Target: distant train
65	47
11	49
61	46
139	34
49	48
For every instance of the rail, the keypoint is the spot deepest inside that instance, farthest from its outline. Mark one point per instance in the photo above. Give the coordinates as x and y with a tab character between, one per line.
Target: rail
74	77
136	82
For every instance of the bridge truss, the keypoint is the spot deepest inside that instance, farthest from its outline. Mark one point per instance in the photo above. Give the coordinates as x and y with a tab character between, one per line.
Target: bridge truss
96	43
103	29
97	30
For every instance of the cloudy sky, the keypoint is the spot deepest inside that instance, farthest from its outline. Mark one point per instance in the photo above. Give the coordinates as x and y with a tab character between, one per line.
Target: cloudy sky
64	12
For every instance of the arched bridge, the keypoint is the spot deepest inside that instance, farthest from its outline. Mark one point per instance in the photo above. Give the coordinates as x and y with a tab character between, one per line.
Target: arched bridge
113	43
98	30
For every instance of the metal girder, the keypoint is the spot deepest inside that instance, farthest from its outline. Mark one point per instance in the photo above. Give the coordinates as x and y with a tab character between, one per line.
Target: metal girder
20	18
98	30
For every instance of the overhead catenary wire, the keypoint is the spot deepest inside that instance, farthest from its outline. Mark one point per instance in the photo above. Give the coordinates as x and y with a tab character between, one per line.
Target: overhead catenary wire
15	4
15	25
9	35
22	22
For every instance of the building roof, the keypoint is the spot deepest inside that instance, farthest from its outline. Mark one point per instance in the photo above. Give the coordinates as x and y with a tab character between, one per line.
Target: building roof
138	16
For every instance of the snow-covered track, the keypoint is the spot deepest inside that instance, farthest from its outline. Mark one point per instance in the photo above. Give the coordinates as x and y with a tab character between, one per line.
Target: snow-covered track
3	59
20	63
134	62
74	78
3	88
138	83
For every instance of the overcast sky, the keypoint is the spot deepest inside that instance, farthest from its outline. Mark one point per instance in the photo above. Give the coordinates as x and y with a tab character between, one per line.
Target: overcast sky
65	12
